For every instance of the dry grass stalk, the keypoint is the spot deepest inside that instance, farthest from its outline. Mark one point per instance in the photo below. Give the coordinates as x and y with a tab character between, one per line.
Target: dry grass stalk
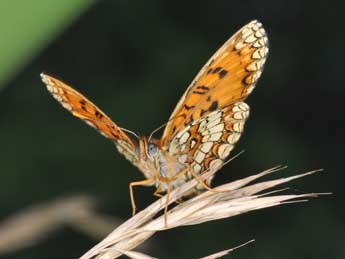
235	198
137	255
29	226
225	252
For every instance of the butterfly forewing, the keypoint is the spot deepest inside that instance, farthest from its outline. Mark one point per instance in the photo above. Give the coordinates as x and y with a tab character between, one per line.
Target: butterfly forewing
209	118
228	77
84	109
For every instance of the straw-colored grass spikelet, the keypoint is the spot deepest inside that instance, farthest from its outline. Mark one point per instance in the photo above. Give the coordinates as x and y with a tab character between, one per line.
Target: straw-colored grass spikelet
225	201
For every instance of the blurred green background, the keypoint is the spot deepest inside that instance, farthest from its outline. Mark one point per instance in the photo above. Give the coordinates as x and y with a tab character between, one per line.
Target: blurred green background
135	59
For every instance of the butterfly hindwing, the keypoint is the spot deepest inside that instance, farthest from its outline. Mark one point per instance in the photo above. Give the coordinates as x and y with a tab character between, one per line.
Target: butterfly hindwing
207	142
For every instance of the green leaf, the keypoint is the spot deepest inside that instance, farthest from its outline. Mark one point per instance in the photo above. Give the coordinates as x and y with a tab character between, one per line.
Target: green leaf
26	27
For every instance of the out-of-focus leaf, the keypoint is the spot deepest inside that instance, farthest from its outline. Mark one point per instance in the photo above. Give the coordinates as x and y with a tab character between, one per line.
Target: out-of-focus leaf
27	26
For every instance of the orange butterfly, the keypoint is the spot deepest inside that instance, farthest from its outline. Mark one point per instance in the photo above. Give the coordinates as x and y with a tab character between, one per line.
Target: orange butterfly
205	125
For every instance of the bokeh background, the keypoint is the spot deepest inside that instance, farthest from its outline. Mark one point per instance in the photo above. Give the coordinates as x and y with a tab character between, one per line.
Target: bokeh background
135	59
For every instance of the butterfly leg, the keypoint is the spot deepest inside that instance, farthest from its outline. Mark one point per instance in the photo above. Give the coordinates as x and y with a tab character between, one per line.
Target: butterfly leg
157	193
131	193
168	180
207	187
167	205
202	182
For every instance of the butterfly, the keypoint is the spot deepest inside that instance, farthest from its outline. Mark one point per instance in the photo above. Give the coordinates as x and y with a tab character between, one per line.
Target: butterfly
205	125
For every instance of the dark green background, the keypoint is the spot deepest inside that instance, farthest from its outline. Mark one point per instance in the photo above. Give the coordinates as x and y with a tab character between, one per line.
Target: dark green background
135	59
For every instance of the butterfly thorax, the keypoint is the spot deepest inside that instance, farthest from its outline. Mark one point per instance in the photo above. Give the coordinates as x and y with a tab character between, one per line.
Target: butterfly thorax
157	164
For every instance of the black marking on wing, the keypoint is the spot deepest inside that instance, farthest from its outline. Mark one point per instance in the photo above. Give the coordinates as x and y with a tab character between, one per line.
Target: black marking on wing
222	73
213	106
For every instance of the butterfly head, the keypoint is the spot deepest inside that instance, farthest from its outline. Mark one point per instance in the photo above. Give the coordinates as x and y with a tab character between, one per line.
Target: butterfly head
148	149
148	157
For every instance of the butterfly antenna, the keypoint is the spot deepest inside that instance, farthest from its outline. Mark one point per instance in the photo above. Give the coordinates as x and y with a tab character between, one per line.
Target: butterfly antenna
163	125
157	129
129	131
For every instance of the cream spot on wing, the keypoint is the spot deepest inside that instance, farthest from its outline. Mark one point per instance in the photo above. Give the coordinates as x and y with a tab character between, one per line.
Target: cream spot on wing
57	97
241	115
253	67
255	27
67	106
199	156
238	115
254	77
216	164
238	126
178	135
239	45
262	52
213	123
233	138
250	39
224	150
243	106
182	159
258	73
205	147
184	137
258	34
119	148
250	89
258	54
217	128
196	168
192	144
202	125
246	33
90	124
246	114
216	136
205	132
105	135
205	138
236	108
262	42
257	44
213	116
50	89
172	148
246	30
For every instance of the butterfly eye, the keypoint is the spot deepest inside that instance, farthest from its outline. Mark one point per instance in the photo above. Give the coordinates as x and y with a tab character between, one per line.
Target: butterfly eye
152	149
